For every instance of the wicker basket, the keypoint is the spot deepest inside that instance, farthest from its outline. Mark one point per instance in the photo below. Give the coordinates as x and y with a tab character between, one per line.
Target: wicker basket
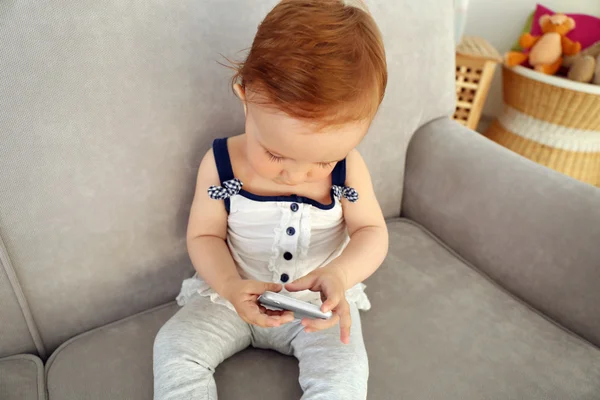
552	121
476	62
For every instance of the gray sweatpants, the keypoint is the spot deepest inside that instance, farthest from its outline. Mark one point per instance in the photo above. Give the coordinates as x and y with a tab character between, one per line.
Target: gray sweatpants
203	334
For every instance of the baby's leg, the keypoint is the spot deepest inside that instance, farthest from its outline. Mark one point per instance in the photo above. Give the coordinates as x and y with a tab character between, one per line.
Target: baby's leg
189	347
330	369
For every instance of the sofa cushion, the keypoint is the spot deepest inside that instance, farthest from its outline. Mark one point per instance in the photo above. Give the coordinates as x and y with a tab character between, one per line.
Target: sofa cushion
115	363
22	378
438	330
458	335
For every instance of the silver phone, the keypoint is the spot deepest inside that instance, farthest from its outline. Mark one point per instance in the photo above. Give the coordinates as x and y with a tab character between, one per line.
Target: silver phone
301	309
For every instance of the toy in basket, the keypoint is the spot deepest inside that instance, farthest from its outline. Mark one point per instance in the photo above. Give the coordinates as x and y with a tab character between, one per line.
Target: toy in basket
549	38
545	52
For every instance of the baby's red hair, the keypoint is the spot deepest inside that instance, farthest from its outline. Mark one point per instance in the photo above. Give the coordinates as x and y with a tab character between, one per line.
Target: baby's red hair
320	60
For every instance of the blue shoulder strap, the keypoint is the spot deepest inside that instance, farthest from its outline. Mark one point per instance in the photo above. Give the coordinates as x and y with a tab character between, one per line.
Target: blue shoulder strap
222	160
338	175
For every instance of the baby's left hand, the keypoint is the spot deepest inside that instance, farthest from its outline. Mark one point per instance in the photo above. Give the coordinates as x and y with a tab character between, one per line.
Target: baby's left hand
330	282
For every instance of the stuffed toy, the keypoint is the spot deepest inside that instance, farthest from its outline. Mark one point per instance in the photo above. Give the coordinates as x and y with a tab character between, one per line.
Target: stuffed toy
546	51
583	69
585	66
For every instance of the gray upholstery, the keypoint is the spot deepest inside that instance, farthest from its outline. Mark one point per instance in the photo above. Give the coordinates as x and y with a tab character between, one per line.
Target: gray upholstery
457	335
22	378
437	330
106	110
535	231
15	336
112	362
115	362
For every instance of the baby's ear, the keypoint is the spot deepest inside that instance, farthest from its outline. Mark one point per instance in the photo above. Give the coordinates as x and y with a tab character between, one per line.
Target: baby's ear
241	94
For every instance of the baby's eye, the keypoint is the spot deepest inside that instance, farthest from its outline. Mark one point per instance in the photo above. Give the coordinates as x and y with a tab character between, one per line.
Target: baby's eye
325	165
273	157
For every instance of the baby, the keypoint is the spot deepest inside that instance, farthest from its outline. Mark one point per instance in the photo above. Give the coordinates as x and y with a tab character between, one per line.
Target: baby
288	207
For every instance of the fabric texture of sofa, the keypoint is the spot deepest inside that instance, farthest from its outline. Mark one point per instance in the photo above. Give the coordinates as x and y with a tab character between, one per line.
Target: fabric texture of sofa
492	283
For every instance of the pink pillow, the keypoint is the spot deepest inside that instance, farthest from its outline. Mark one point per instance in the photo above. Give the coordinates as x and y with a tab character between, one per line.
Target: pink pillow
587	27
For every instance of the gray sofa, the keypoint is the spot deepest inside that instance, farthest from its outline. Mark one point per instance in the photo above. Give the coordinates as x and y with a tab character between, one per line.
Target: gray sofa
491	289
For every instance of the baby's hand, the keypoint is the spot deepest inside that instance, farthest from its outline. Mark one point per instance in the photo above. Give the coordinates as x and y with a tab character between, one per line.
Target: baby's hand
330	282
243	295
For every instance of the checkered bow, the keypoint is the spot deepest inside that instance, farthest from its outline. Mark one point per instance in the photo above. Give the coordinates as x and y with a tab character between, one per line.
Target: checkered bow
229	188
344	191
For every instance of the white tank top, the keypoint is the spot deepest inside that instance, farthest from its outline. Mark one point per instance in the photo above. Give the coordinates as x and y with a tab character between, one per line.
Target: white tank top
278	238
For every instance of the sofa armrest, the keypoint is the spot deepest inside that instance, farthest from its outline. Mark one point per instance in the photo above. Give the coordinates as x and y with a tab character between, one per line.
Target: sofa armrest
534	231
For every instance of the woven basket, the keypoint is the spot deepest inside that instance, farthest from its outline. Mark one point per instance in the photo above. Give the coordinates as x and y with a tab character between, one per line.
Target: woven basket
552	121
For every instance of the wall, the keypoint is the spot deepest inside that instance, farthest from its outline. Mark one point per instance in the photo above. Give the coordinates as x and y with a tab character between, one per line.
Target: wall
501	21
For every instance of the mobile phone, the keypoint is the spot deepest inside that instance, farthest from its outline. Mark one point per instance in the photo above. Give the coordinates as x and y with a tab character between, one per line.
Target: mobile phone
301	309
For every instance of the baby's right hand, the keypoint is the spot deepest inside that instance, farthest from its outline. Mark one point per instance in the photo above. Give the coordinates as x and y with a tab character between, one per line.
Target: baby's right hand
243	295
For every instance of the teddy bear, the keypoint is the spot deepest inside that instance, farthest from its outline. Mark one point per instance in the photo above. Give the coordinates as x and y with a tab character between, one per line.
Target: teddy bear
547	50
585	66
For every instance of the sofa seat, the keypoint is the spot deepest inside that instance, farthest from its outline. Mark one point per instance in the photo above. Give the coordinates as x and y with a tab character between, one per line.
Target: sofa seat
22	378
438	329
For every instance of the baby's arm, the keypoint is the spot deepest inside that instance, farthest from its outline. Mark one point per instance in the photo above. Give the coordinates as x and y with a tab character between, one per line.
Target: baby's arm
207	232
207	247
368	244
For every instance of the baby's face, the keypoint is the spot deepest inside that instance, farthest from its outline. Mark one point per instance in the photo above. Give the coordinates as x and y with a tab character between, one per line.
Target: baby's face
290	152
